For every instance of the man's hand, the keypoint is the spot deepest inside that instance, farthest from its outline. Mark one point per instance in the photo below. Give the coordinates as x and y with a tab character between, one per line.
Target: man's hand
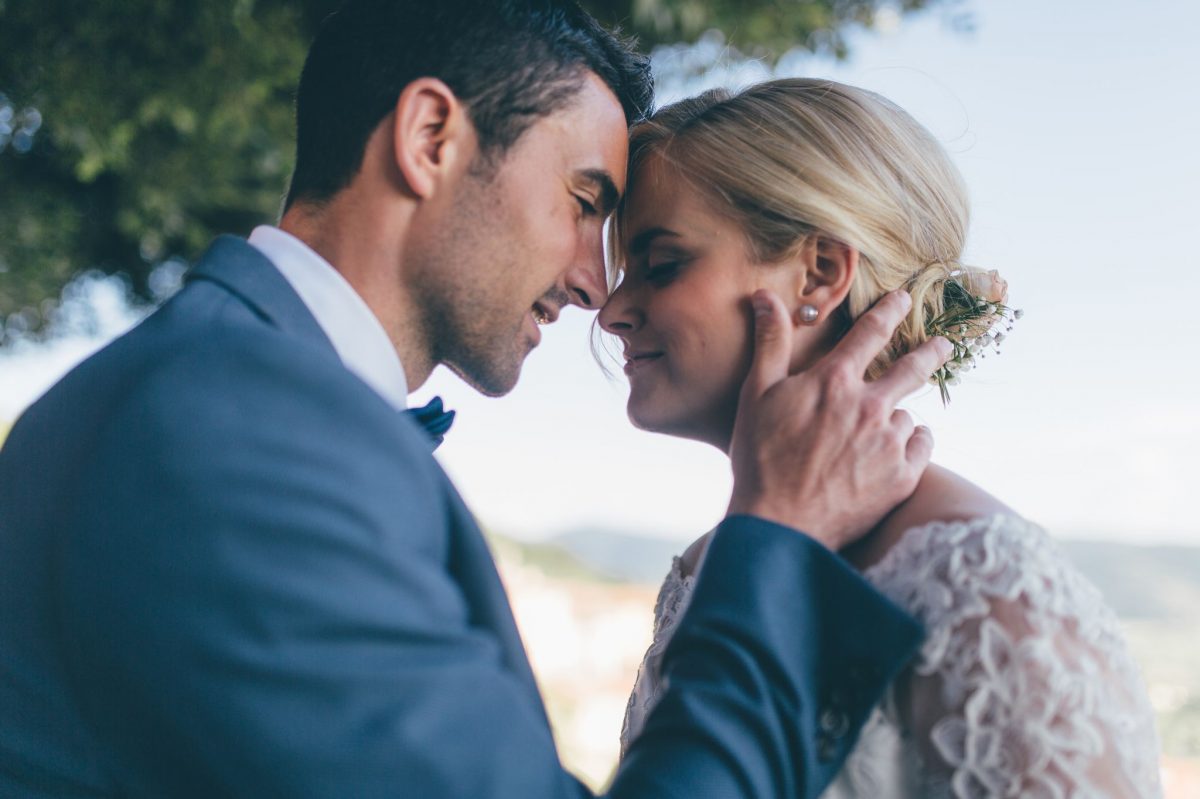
824	451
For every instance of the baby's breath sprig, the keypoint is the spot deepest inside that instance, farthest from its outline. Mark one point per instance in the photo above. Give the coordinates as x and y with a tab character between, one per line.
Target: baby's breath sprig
973	324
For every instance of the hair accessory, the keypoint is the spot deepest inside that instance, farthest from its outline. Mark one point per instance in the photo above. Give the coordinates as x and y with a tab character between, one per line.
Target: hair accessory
972	322
809	314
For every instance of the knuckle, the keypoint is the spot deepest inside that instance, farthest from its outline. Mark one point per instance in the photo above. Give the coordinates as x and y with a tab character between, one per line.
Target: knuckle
918	368
840	379
874	407
765	324
930	356
914	367
766	332
876	323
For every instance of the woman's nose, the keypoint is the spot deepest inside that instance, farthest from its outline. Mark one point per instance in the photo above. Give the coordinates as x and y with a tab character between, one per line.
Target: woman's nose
619	315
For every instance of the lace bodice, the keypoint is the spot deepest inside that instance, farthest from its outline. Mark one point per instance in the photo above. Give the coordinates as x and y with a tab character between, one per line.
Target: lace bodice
1023	686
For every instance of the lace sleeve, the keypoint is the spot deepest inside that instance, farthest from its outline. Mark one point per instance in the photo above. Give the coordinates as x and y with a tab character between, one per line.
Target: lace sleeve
1024	686
673	599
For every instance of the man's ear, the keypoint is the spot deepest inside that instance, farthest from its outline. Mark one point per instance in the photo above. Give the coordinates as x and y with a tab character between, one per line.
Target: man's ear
431	136
829	268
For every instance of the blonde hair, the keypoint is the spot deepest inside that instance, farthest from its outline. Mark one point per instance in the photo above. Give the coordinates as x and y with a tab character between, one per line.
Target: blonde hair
791	158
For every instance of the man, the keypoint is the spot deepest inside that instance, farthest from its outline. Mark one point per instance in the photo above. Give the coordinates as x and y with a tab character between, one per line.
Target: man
228	567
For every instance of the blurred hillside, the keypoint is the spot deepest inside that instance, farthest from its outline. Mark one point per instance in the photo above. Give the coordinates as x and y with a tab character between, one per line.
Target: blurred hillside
584	602
1141	583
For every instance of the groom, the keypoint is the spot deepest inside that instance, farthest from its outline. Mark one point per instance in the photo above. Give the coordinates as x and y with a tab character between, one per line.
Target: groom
229	567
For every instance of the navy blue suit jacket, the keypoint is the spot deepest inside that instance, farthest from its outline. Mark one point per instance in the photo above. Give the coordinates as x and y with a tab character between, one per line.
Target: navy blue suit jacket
229	568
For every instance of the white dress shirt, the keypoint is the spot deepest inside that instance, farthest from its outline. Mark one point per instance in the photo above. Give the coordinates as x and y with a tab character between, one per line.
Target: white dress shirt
356	334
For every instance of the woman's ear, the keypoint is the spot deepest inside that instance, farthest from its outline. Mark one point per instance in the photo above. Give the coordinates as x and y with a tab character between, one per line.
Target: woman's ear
431	135
829	267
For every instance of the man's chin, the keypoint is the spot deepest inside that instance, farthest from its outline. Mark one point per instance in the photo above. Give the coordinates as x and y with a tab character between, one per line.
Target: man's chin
489	380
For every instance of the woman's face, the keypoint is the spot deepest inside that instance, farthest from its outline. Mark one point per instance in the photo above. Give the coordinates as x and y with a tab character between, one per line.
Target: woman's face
682	309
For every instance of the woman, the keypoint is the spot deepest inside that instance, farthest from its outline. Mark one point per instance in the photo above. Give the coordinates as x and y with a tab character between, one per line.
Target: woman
831	196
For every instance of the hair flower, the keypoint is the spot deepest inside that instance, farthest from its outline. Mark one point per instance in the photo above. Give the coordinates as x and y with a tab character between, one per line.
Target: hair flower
987	286
974	318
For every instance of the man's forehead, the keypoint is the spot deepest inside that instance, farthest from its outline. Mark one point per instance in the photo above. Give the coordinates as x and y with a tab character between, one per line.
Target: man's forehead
594	125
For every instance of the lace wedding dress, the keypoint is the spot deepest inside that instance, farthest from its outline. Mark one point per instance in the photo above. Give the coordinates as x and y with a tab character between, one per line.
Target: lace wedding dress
1023	687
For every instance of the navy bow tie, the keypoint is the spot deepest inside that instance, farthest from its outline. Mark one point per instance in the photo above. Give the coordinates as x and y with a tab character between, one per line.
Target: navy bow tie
434	419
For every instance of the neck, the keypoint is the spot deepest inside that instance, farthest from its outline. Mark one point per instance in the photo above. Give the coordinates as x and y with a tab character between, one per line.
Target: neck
367	251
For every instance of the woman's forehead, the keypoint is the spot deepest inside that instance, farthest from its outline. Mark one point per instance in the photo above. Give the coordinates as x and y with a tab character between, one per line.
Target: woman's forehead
661	195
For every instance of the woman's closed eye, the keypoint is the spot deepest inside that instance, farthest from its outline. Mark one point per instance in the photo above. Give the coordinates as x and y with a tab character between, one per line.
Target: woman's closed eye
661	272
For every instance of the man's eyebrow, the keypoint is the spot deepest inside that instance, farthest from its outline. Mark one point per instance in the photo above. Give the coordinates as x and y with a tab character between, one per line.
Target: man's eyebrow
641	242
607	201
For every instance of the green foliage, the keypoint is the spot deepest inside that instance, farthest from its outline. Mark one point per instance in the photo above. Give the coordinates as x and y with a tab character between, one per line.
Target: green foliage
760	28
163	124
139	129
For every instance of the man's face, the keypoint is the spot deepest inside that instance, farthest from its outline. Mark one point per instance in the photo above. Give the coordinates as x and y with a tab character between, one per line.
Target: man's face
515	246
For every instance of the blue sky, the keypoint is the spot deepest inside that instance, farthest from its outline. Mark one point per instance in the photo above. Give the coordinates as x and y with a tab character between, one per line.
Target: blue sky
1076	127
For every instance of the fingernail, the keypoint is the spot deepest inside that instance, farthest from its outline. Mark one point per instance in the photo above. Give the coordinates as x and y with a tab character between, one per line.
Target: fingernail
760	303
904	296
944	347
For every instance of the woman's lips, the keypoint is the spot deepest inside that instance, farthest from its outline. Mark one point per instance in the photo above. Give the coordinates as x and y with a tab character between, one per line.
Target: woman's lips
636	363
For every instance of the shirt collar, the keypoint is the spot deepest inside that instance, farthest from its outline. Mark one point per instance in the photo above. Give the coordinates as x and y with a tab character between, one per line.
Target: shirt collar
356	334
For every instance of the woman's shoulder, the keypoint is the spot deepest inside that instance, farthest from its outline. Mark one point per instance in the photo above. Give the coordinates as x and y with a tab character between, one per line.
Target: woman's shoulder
942	497
953	552
1008	622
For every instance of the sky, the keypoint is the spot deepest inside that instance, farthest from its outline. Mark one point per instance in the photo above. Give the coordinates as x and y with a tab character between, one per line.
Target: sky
1076	130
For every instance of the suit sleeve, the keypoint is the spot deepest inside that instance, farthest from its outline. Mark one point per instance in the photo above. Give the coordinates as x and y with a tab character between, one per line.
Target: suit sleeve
258	604
773	670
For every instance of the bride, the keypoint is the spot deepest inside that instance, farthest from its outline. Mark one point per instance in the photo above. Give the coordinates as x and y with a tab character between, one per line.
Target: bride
831	196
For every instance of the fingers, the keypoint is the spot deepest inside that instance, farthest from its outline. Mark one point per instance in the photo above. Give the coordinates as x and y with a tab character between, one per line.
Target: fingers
913	370
873	330
902	423
920	448
772	344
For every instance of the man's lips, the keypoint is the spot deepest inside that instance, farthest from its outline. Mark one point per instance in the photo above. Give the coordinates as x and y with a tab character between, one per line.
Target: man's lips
544	314
539	316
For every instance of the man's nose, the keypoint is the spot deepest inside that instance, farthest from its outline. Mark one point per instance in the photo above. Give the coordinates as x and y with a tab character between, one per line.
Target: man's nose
587	281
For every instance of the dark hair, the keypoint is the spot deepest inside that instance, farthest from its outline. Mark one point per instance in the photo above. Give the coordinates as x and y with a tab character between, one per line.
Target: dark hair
511	62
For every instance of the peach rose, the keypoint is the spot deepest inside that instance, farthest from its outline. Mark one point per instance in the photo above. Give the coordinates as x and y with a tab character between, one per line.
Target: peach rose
988	285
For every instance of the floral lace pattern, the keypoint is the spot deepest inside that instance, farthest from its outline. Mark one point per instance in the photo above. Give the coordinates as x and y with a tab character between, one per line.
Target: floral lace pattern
1023	686
673	599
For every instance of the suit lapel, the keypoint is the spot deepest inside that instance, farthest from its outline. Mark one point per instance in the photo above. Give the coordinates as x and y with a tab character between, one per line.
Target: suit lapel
240	268
471	564
244	271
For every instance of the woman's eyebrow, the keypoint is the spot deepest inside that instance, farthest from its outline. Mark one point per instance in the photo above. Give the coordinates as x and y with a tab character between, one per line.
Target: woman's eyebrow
641	242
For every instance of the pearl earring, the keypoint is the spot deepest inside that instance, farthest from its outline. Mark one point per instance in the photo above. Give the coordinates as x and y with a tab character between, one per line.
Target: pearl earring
809	314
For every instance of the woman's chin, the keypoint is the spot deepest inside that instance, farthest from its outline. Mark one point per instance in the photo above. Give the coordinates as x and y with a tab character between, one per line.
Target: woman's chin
643	418
648	415
667	419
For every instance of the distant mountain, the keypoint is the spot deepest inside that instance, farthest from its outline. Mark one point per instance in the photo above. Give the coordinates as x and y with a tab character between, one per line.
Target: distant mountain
623	556
1142	583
